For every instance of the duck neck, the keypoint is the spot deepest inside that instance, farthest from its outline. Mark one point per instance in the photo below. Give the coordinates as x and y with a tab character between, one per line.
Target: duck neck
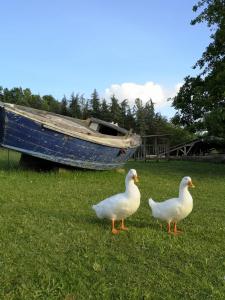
129	184
183	192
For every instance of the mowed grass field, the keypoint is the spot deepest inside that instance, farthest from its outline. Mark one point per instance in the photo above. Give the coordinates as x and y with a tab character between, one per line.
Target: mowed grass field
52	246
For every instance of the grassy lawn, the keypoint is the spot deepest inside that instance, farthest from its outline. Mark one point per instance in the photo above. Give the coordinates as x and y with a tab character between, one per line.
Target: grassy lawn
52	246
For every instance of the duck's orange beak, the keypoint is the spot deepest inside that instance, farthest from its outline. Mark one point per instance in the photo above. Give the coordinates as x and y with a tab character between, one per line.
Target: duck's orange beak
135	178
190	184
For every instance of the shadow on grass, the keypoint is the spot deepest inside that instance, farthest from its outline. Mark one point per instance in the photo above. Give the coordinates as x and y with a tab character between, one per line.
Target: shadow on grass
9	160
82	218
129	223
64	216
138	223
93	220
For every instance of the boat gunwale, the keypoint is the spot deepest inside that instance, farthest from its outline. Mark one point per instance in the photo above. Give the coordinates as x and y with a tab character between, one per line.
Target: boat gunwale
130	140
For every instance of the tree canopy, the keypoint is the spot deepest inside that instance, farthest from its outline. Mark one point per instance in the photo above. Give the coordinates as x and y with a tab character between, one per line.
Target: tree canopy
200	102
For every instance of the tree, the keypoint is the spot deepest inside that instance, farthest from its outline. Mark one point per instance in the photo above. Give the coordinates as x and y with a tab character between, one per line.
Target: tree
27	97
124	109
1	94
51	104
36	101
191	104
130	119
95	104
145	117
215	122
140	116
15	95
115	110
105	113
74	106
213	13
84	104
202	98
149	112
64	106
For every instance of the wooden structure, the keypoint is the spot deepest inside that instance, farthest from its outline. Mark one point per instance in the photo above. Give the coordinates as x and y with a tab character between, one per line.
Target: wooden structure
154	146
184	149
158	147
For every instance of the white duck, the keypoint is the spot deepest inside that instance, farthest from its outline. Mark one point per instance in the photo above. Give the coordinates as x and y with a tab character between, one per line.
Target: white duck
175	209
120	206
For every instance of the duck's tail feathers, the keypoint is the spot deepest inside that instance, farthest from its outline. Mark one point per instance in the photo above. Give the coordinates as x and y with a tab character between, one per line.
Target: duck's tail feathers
98	211
151	202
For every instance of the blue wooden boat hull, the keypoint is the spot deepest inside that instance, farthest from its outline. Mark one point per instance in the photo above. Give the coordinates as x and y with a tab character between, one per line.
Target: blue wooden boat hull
27	136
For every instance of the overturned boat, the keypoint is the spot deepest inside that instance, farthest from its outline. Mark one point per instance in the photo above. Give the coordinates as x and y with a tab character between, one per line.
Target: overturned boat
88	144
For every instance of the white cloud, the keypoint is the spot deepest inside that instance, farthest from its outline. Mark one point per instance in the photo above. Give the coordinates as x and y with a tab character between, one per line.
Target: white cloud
145	92
178	86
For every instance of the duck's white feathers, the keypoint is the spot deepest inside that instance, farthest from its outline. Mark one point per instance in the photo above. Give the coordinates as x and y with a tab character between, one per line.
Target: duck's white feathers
174	209
120	206
169	210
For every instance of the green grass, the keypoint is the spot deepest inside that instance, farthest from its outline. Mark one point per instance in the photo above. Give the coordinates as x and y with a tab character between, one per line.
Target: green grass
52	246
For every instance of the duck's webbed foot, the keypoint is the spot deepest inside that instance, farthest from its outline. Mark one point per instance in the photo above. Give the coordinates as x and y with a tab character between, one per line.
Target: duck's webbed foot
175	230
122	226
114	230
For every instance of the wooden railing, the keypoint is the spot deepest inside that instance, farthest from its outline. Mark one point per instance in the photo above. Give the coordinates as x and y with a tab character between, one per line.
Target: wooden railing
145	152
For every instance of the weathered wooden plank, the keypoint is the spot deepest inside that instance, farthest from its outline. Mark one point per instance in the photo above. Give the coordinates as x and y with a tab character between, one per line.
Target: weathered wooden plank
22	134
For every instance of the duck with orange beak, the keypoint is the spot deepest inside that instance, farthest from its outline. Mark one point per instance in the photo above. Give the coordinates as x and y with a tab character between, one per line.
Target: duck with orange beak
175	209
120	206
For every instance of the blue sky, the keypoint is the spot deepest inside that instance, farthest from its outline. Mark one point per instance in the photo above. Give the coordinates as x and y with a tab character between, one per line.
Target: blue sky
124	47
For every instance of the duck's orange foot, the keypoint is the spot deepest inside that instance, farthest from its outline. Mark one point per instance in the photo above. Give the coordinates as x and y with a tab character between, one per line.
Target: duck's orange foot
115	231
175	230
178	232
122	225
123	228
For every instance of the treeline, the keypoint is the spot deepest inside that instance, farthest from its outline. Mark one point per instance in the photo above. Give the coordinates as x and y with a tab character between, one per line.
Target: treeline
200	102
142	118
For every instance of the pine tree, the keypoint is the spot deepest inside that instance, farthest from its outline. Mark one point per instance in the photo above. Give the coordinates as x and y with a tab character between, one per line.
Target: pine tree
85	110
124	108
115	110
130	119
105	113
140	116
64	106
149	116
74	106
95	104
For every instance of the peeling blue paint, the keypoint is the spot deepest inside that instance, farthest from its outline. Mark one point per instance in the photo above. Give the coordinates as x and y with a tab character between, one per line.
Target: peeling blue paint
22	134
